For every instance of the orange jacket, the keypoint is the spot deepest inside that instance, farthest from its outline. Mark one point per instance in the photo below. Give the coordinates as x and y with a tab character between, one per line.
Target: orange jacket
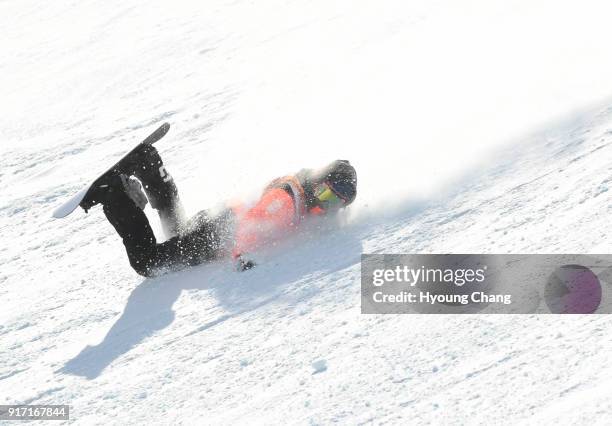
279	211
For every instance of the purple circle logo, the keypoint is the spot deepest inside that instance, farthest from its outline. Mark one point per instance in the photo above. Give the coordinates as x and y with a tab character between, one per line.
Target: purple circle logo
572	289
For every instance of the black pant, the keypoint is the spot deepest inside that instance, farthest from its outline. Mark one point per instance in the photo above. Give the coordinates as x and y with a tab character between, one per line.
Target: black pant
201	239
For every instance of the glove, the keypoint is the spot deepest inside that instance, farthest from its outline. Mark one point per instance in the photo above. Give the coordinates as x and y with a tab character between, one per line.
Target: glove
244	265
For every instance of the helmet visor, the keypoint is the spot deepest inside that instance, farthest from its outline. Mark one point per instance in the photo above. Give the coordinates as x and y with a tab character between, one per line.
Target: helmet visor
327	199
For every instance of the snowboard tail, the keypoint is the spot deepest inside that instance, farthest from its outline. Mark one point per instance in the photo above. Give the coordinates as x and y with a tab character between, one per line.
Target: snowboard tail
81	197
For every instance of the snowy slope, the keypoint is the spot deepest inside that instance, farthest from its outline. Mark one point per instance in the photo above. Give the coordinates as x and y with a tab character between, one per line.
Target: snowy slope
476	126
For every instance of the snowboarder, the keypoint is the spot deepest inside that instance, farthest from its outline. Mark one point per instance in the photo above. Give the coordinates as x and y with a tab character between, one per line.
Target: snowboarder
236	231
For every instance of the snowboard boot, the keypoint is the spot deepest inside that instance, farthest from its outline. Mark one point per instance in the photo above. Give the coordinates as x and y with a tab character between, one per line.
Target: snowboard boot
160	188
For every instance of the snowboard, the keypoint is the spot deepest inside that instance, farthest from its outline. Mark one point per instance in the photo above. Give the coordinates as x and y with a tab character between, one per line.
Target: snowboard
71	204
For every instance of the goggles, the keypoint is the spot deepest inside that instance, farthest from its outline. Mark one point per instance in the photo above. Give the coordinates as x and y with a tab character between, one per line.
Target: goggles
327	198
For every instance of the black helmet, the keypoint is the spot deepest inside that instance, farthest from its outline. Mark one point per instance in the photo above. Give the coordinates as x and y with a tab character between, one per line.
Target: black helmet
342	180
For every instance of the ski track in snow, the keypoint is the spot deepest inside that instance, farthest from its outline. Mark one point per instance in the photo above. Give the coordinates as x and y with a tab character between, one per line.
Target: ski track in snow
284	343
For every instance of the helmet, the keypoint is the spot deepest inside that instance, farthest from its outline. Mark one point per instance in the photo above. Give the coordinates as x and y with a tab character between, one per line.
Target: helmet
336	185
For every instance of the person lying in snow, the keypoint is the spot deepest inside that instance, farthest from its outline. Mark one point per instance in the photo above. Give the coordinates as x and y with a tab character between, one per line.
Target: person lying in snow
236	231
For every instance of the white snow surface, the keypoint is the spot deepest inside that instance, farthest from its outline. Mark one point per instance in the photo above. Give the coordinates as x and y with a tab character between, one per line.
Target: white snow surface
475	126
